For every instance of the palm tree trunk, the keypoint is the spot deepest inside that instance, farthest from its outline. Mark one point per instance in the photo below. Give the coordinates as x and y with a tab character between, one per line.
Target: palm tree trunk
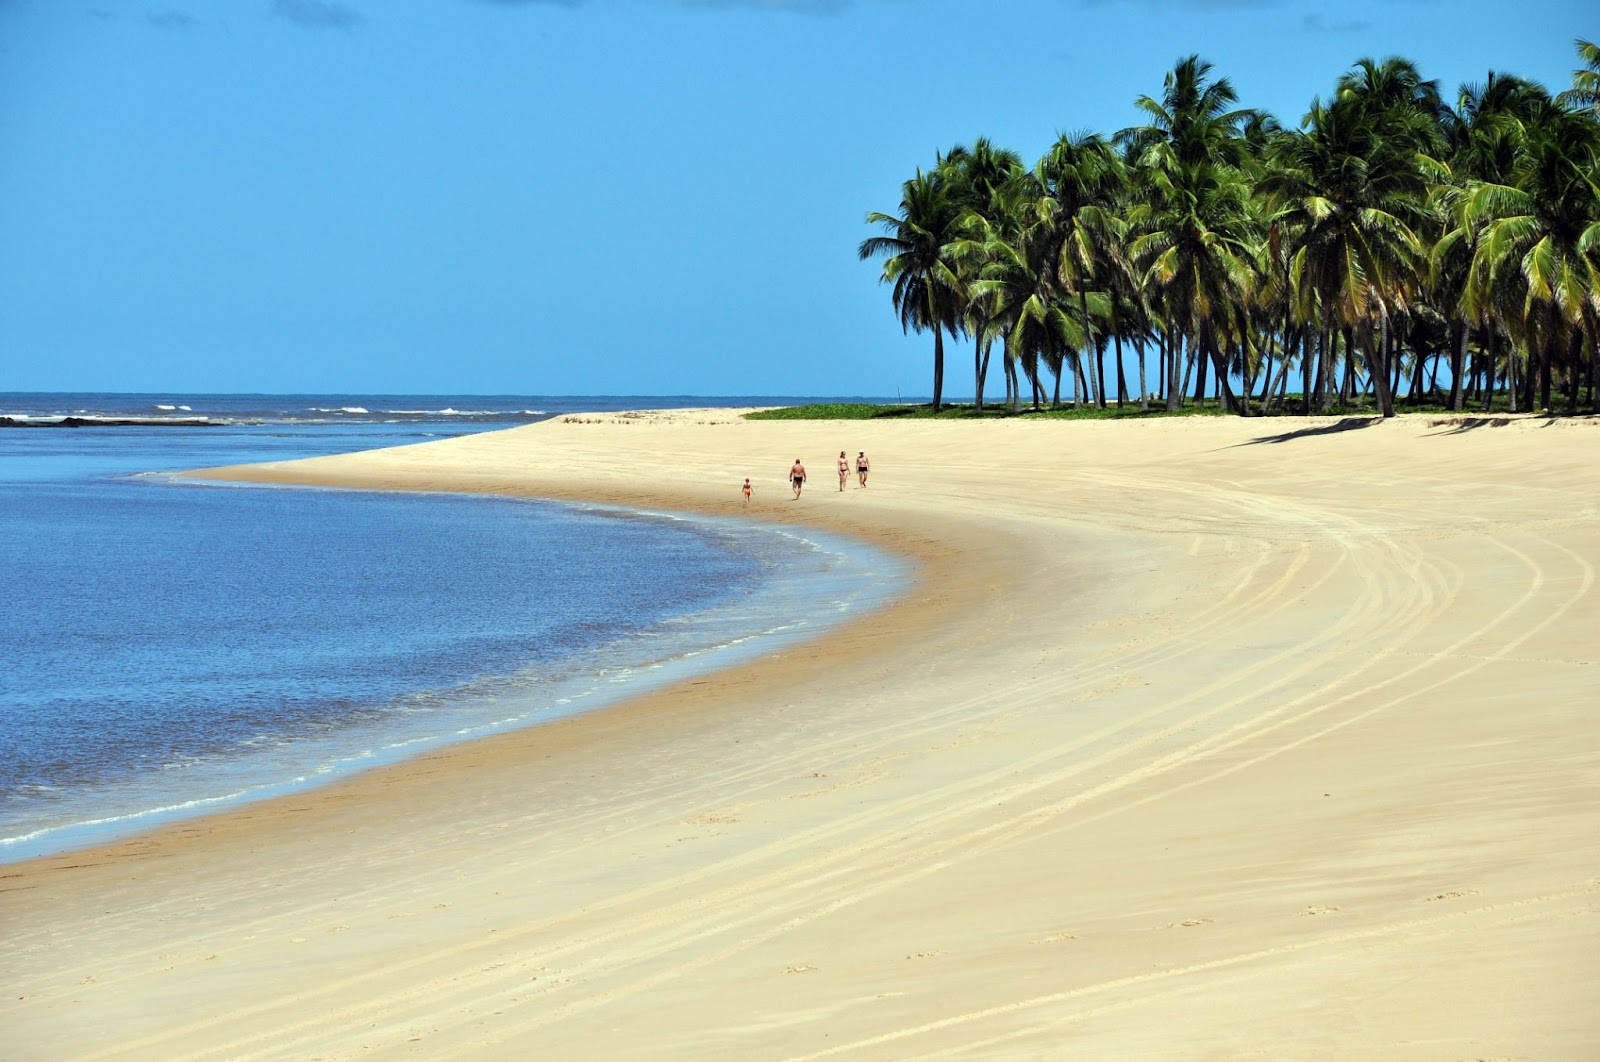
1390	357
1100	370
1544	368
1594	372
1379	368
1174	348
1264	370
1574	373
1458	358
1325	356
1592	326
1122	378
1225	396
1013	385
1280	387
1415	392
1088	329
1308	349
1144	392
1348	382
1244	392
938	366
1269	381
1511	371
980	368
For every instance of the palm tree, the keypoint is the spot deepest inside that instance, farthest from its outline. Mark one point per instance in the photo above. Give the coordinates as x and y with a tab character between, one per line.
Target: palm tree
1017	287
1352	178
1585	91
919	263
1195	120
979	176
1544	226
1196	256
1192	244
1484	132
1080	179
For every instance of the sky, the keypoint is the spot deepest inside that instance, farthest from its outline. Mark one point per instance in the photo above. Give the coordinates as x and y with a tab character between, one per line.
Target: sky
566	197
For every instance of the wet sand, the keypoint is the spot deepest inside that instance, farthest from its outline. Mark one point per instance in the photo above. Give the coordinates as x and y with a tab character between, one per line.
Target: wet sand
1192	739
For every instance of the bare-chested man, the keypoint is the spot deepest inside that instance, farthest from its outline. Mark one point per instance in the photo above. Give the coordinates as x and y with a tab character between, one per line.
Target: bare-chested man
844	469
863	466
797	477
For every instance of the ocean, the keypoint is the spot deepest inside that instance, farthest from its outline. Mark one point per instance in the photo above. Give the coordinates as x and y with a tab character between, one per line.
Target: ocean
171	648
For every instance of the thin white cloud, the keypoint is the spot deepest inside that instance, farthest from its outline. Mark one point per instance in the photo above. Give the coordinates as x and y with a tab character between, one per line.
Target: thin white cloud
171	19
799	7
317	14
802	7
1187	5
1313	24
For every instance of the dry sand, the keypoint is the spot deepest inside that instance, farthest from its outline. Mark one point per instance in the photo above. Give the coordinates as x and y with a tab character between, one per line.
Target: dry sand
1194	739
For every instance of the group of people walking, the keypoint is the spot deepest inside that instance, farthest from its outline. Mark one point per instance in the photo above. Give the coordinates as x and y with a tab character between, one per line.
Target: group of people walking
797	473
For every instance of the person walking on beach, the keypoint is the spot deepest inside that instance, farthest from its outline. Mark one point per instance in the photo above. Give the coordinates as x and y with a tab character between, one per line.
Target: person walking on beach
747	490
797	477
862	466
844	469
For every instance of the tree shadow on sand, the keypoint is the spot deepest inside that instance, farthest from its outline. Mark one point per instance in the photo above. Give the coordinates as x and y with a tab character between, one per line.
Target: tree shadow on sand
1461	424
1347	424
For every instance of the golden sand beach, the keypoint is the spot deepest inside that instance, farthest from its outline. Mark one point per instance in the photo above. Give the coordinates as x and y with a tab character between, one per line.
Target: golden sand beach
1192	739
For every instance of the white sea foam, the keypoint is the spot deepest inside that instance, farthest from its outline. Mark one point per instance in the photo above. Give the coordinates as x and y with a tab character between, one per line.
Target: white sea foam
446	412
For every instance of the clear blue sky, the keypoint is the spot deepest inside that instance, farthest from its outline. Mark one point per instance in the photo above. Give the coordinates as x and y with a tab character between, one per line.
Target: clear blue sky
571	196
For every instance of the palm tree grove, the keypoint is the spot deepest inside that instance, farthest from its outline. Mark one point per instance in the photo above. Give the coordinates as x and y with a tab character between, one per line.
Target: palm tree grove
1393	249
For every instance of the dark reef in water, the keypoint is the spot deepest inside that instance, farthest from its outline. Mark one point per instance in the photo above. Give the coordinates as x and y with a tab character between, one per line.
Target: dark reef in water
109	422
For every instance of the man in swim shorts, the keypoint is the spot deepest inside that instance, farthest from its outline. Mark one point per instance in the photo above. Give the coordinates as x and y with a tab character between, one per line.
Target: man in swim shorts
862	466
797	477
747	490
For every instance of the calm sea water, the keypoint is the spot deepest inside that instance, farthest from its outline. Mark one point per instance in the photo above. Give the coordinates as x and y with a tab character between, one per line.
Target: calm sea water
172	648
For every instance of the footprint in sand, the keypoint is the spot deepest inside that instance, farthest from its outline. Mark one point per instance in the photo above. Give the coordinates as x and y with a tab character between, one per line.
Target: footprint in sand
1054	938
1453	894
